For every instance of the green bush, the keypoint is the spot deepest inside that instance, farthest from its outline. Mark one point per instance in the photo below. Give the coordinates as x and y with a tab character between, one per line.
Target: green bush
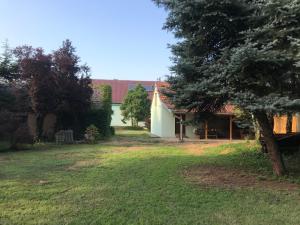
134	128
112	131
100	114
100	118
92	134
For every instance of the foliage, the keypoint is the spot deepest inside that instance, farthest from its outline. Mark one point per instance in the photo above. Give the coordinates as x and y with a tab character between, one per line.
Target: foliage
136	106
132	128
99	117
21	136
112	131
245	120
14	103
241	52
8	67
106	105
100	114
92	134
57	84
114	180
74	89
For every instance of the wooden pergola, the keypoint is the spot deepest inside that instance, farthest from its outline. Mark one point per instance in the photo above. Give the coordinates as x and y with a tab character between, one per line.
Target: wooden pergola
206	130
230	128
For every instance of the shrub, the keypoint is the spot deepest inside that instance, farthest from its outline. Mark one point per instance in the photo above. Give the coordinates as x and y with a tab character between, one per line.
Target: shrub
134	128
112	131
21	137
92	134
99	118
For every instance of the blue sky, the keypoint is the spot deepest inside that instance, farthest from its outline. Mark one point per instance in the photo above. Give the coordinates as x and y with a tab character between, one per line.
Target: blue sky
118	39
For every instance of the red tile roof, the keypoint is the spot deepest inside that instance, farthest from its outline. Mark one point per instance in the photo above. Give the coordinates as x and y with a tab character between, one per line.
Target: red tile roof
120	88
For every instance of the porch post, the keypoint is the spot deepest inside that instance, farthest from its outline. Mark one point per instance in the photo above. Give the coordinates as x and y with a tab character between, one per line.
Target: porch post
206	129
181	128
230	128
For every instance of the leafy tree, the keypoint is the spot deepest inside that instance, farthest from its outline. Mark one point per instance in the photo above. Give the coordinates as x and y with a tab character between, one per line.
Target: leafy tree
136	106
237	51
36	70
57	84
73	87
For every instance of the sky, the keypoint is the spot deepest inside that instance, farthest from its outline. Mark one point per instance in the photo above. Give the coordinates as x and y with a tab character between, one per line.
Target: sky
118	39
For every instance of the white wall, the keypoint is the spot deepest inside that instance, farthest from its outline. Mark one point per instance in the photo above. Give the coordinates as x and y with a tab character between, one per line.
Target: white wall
117	117
189	130
162	119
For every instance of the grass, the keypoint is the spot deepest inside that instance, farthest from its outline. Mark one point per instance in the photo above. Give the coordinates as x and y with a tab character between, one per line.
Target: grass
135	180
4	146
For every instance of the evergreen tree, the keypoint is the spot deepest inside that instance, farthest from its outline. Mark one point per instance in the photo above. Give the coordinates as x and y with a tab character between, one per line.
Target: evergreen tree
136	106
245	52
106	105
14	102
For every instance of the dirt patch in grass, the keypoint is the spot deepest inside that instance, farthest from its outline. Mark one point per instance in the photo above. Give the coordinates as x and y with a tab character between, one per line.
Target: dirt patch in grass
83	163
227	151
199	149
42	182
3	158
126	149
67	155
212	176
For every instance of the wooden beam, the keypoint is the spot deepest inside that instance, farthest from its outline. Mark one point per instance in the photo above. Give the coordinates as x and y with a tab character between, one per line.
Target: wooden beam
206	129
230	128
181	128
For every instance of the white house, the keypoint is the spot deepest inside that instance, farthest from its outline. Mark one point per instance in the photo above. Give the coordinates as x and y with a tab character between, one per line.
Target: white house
169	122
120	89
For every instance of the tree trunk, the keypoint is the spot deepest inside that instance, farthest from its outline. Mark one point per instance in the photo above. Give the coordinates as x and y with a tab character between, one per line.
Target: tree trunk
289	123
256	130
271	143
39	124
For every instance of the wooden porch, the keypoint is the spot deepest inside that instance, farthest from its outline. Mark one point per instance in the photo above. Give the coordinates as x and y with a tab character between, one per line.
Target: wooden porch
222	127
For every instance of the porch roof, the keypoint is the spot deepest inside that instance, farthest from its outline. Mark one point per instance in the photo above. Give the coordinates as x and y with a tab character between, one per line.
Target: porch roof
163	88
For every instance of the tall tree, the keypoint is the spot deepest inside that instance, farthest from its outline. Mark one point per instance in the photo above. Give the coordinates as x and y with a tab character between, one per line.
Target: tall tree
57	84
8	66
136	106
237	51
106	105
73	87
14	102
36	70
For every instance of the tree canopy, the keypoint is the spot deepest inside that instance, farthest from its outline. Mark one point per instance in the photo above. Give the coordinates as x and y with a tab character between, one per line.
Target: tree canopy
136	106
57	84
242	52
32	81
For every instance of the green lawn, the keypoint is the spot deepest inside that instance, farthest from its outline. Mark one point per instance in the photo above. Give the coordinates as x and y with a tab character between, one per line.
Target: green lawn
136	180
